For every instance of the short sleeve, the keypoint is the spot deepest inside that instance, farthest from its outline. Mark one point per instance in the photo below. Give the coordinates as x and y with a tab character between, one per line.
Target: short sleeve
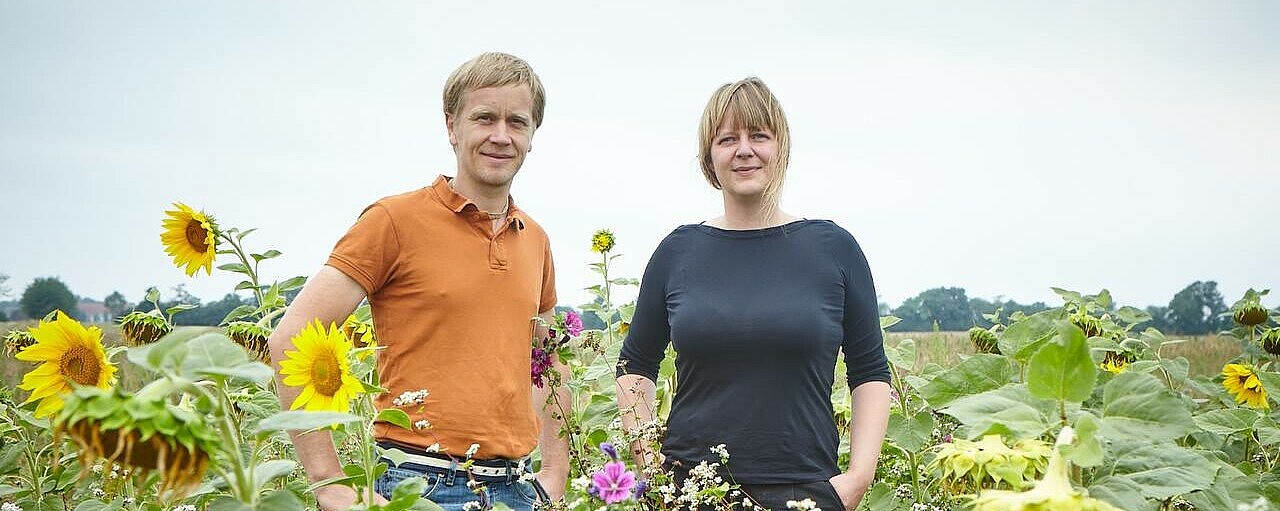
548	300
368	252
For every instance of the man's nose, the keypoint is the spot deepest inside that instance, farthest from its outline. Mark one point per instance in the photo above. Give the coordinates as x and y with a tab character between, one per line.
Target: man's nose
501	134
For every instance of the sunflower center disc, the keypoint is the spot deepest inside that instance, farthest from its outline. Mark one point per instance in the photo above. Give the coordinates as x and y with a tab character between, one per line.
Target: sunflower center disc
196	236
326	374
79	365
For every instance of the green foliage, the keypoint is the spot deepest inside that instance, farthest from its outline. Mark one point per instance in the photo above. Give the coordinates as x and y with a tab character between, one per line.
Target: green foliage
116	304
1197	309
46	295
947	307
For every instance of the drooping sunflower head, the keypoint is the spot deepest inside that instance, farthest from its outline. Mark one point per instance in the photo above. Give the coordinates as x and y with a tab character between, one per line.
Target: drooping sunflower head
1053	492
143	433
1091	326
1270	341
1250	314
1243	384
17	340
252	338
983	340
69	355
1115	362
966	466
602	241
320	365
191	237
139	328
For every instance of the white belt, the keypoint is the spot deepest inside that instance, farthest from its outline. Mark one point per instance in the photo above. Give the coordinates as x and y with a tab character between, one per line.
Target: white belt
513	467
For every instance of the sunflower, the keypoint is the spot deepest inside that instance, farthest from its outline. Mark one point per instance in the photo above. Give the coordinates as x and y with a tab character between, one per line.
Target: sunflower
1244	385
1115	362
321	367
602	241
191	237
17	340
139	328
252	338
70	353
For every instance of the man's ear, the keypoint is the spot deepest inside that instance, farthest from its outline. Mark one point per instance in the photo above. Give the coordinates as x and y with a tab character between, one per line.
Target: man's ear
448	126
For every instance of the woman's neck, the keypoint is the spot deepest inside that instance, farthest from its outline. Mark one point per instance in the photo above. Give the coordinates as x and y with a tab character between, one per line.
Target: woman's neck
741	215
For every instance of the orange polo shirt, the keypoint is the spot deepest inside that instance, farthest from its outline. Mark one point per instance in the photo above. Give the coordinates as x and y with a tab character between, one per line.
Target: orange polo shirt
453	305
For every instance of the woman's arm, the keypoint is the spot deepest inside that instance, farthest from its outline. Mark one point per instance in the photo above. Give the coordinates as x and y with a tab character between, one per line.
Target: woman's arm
866	436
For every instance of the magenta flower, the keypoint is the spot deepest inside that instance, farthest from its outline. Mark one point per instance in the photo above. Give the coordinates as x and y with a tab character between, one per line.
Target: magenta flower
614	482
573	323
538	368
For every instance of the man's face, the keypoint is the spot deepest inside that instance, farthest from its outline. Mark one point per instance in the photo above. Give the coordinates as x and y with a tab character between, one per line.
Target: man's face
492	132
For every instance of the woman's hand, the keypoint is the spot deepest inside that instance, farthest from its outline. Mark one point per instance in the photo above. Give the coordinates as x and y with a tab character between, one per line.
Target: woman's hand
850	486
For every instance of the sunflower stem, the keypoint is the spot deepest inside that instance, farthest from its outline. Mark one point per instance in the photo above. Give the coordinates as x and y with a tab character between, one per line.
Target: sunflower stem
251	269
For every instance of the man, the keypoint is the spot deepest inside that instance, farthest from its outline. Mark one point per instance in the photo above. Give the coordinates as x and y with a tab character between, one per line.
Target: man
454	274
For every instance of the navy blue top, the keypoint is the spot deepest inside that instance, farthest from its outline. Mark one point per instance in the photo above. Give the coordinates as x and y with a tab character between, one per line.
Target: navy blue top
757	318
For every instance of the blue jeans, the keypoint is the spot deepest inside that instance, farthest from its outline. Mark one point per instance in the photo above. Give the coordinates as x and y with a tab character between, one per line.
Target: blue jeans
448	488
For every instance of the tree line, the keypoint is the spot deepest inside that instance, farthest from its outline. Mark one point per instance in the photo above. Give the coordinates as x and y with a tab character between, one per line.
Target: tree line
1197	309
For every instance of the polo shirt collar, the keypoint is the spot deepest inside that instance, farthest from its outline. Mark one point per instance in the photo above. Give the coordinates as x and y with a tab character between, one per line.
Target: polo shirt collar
455	201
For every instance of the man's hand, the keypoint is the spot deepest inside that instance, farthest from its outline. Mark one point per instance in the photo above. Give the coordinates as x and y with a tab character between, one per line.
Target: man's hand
336	497
553	483
851	486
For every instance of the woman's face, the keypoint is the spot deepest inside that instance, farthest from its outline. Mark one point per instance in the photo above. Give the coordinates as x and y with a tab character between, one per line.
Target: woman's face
741	158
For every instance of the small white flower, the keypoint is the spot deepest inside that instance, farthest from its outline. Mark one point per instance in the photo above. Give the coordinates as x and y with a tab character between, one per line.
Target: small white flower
720	451
185	507
471	451
434	447
97	492
527	477
411	397
806	504
471	506
9	506
422	424
128	500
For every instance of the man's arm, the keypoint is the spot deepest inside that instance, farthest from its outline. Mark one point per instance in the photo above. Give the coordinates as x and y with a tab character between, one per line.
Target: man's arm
866	437
554	474
329	296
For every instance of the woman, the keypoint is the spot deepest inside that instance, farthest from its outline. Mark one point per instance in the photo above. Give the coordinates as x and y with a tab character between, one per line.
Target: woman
757	303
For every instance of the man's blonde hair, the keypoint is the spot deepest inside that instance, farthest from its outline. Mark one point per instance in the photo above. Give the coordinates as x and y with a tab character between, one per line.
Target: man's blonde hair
750	104
493	69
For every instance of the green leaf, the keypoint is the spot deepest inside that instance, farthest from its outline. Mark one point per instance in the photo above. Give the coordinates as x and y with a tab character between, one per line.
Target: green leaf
303	420
1118	491
1270	383
1023	338
911	434
1227	421
213	355
396	456
294	283
235	267
1063	371
1010	410
179	308
1267	430
98	505
228	503
265	255
902	356
888	321
1085	450
975	374
396	416
279	500
164	353
267	471
1161	470
240	236
1138	407
239	312
153	295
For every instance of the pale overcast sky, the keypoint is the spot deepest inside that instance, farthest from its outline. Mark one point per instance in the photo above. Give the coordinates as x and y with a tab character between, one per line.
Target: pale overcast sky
1002	146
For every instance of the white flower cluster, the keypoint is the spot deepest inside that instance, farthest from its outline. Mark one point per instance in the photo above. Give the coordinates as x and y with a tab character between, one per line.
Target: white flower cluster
722	452
422	424
9	506
920	506
471	451
185	507
411	398
471	506
806	504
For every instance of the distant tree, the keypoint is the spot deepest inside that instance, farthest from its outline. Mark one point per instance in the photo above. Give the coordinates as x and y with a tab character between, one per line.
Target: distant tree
209	314
1159	319
1197	309
3	316
46	295
116	304
4	290
948	307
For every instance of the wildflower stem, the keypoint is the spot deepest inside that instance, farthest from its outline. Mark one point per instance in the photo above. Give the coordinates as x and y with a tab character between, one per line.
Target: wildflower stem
251	270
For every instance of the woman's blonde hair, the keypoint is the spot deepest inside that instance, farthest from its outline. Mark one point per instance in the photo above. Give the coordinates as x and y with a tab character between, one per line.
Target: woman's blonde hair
749	104
493	70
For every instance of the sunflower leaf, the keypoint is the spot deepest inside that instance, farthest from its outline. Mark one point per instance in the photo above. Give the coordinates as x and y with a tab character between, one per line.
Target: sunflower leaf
242	234
304	420
293	283
395	416
265	255
235	267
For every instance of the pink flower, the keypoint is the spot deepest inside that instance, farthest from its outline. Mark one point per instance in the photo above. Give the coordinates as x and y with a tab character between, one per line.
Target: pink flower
538	368
613	483
573	323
